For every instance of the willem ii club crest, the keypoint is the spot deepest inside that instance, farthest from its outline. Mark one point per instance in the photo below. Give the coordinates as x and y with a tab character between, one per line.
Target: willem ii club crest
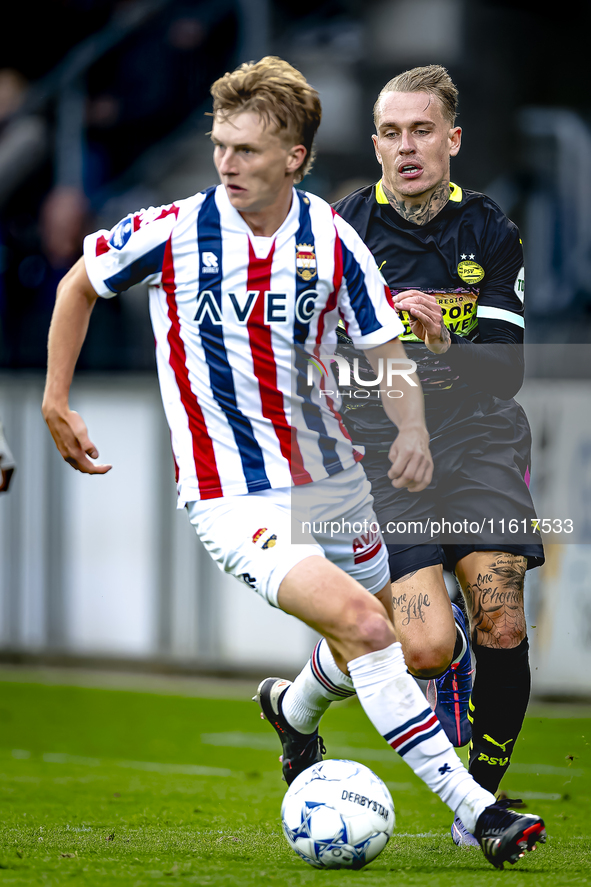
305	261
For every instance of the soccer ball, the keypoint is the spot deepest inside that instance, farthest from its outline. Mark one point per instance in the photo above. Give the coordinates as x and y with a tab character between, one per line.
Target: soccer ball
337	814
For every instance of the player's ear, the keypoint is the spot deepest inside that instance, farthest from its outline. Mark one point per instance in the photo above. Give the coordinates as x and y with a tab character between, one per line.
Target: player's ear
455	140
374	139
295	158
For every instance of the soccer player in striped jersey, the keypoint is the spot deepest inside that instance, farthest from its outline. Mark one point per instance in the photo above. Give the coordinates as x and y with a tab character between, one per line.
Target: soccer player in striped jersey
248	281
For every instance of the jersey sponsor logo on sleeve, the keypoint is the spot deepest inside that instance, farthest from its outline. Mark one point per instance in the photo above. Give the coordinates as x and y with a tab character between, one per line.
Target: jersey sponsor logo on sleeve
121	233
520	285
470	271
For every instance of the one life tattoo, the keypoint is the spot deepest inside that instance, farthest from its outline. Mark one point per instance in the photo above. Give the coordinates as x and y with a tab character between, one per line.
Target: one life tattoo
411	606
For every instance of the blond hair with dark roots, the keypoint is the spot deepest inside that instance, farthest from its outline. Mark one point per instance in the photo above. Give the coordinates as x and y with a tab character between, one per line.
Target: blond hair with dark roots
432	79
279	94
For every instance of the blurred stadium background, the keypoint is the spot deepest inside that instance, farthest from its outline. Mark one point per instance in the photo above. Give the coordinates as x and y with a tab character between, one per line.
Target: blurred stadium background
102	111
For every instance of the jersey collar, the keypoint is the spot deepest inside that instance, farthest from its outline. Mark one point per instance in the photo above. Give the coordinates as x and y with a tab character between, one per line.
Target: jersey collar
455	193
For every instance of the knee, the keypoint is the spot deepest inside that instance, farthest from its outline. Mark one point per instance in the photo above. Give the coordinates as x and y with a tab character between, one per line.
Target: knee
504	629
429	661
371	628
504	637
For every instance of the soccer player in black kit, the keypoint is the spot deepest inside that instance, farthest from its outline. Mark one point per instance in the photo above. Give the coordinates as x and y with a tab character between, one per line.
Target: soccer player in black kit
454	265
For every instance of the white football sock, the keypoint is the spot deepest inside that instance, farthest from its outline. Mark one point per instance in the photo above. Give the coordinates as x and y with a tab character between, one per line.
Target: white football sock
318	684
397	708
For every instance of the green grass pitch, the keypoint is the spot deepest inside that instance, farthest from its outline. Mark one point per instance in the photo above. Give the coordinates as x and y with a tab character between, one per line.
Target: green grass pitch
113	787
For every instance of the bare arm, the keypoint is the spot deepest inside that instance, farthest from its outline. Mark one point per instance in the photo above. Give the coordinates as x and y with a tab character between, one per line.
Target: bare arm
74	303
412	465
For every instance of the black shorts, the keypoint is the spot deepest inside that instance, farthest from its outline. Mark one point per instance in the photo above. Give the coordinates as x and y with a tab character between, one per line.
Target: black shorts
478	499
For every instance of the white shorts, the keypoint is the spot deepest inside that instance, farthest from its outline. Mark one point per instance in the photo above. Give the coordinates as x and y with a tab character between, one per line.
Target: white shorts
259	537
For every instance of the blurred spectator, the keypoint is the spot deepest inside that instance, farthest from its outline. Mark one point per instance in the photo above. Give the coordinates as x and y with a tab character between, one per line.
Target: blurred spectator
133	96
63	224
13	86
23	140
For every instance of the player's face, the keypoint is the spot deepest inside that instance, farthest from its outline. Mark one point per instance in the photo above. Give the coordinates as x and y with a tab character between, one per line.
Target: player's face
414	143
255	165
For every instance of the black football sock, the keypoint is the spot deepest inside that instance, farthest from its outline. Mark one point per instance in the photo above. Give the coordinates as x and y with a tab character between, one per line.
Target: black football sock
497	708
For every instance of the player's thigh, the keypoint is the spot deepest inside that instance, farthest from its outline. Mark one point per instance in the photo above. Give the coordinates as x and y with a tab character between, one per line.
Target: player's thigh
250	537
423	620
492	584
320	594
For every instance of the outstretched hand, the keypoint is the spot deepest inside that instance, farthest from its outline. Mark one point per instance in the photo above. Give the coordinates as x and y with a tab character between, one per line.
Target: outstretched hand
71	438
425	319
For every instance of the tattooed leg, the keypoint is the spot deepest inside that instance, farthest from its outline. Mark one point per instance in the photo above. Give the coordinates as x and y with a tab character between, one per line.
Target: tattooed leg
423	621
492	583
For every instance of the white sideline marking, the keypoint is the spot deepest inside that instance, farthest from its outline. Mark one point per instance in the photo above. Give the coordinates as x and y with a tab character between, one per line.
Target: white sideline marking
150	766
396	834
545	770
270	743
267	742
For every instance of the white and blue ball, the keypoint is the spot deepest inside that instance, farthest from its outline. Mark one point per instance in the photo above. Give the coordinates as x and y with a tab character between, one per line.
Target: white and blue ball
337	814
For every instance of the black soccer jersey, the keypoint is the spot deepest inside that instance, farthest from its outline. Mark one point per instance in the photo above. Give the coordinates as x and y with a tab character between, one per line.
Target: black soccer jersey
470	252
470	257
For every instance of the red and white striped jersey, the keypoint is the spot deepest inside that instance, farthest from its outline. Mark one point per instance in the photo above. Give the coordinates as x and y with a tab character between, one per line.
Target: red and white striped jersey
237	318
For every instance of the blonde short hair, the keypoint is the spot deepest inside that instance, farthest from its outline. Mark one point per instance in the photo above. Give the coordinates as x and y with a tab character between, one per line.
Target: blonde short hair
280	94
432	79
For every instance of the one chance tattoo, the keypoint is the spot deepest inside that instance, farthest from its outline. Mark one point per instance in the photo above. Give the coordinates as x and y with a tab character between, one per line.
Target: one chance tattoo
496	601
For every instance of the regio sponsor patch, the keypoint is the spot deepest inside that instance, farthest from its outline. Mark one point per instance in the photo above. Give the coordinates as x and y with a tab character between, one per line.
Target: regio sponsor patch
458	309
